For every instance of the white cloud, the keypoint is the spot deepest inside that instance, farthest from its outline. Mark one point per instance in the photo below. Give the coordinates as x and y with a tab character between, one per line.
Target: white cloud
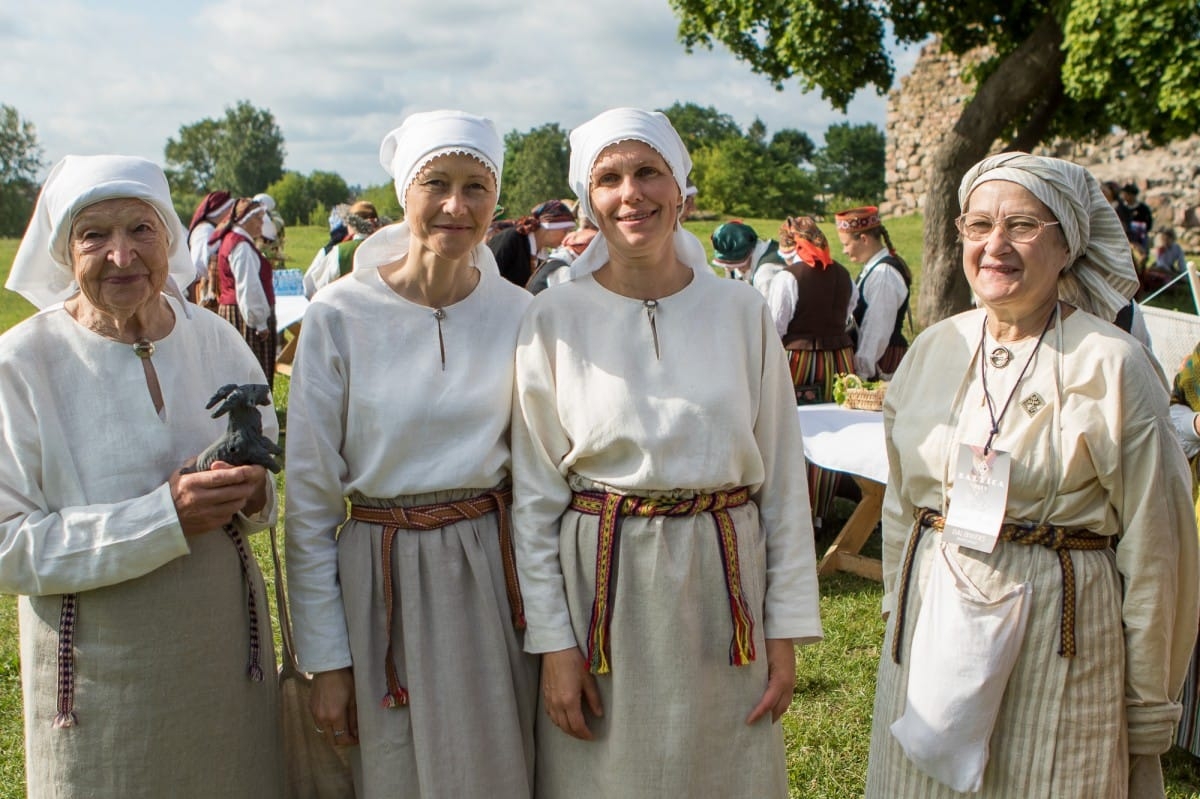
125	75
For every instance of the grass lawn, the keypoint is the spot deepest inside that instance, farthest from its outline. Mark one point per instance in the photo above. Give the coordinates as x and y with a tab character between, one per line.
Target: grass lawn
828	726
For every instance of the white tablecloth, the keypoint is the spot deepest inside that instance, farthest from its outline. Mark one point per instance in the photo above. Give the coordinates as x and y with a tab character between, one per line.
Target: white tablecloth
844	440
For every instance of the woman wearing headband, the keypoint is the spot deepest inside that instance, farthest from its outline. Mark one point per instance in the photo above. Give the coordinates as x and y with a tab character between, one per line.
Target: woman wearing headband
516	249
245	287
664	540
881	291
408	612
146	653
1039	560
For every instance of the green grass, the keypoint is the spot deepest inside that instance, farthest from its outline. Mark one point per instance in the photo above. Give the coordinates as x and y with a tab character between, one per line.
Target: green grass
828	727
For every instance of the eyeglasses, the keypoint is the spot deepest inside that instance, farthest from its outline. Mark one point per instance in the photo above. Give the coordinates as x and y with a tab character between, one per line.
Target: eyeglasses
1018	228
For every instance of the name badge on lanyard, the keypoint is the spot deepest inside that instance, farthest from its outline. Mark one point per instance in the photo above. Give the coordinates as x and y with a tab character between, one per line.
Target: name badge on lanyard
979	498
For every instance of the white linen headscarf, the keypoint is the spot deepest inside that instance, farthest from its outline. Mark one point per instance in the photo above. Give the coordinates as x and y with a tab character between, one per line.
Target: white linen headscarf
406	150
42	271
1101	260
626	124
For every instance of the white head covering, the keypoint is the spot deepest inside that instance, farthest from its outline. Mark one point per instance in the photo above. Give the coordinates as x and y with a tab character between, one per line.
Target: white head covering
626	124
1100	255
42	271
405	150
265	200
426	136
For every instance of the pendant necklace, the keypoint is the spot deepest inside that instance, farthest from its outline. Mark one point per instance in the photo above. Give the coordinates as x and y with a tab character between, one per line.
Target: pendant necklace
991	406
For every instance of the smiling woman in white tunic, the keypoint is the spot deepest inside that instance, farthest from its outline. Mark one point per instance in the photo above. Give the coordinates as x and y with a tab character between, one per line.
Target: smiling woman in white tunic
146	650
400	402
1051	424
665	543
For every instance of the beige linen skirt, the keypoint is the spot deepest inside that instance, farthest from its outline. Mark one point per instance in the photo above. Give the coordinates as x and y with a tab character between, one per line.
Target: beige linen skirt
1061	732
674	707
165	707
467	730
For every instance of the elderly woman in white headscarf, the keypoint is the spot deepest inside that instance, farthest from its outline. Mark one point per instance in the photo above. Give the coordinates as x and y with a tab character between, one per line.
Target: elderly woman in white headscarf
664	539
401	401
1039	561
146	649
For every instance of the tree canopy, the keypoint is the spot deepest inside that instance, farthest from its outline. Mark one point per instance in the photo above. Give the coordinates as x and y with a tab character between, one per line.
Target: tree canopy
535	168
241	153
20	160
1072	68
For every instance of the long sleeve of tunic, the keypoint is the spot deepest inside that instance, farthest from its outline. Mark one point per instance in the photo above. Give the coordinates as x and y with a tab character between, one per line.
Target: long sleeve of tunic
375	410
884	290
86	457
1099	454
699	399
248	289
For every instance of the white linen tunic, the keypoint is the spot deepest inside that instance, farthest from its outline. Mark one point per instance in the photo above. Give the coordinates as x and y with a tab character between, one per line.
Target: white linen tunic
382	408
700	400
161	636
1098	453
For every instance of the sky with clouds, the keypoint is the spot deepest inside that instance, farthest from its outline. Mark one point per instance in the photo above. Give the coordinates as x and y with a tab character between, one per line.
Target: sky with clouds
123	76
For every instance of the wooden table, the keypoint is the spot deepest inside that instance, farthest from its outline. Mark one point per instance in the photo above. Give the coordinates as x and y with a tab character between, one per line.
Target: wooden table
851	442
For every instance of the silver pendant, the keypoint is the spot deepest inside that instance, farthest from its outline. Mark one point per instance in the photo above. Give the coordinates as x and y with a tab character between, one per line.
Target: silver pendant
1000	357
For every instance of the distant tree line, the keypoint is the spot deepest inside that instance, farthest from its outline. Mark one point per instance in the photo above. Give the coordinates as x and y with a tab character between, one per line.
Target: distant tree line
737	172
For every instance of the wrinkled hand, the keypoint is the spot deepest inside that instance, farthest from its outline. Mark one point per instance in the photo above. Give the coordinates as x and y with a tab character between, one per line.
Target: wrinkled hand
333	707
781	680
566	682
205	501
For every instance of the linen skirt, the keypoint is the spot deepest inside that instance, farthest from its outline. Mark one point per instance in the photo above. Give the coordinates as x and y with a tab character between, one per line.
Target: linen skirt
467	730
674	707
164	703
1061	730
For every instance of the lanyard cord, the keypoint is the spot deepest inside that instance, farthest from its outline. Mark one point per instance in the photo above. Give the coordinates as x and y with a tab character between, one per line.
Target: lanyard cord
991	406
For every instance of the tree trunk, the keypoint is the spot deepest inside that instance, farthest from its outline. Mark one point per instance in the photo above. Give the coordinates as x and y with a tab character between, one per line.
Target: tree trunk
1020	79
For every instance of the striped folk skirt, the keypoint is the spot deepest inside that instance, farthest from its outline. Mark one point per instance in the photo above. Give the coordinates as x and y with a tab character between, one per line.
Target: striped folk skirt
1188	735
1061	730
264	349
820	367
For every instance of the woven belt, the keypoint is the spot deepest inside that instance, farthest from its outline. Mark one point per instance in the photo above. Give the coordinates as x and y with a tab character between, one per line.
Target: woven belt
66	715
803	343
611	508
433	517
1059	539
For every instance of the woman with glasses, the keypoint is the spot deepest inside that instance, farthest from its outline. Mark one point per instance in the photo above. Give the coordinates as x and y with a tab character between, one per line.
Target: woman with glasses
1040	553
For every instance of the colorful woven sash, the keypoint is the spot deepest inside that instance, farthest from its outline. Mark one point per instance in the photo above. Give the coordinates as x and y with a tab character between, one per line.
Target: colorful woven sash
1059	539
611	508
433	517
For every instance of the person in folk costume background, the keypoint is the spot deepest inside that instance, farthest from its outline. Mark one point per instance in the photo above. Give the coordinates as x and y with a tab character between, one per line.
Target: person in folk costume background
517	248
882	290
742	255
682	563
557	267
362	219
137	610
245	290
209	213
270	241
402	389
810	303
1185	416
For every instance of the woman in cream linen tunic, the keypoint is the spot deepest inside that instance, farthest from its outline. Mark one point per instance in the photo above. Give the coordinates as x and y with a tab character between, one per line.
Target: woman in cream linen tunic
397	403
163	703
687	395
1093	449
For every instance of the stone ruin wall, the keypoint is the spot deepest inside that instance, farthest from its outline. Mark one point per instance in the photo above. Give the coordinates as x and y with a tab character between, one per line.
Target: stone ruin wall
930	98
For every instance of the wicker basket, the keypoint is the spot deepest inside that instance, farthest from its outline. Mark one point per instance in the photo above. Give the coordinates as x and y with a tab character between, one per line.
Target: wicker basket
866	399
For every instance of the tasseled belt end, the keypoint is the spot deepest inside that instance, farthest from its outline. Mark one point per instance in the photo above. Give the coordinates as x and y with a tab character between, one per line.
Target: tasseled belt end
65	720
741	648
394	699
